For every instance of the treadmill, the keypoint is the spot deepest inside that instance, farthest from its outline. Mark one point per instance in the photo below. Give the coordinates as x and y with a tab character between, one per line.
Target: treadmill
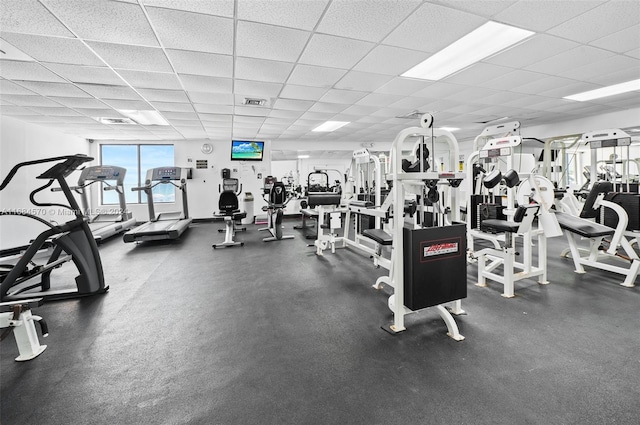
105	225
168	225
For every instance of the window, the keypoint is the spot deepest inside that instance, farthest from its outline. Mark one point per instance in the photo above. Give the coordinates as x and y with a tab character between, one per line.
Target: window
137	159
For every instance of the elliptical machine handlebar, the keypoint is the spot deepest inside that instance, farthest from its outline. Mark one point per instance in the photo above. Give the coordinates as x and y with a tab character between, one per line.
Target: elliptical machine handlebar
60	170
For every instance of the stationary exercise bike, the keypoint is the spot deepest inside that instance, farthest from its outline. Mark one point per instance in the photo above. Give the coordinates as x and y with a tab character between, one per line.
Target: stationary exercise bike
275	194
230	212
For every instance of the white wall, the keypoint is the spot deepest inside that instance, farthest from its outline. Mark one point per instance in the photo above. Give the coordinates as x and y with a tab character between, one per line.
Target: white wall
21	142
203	188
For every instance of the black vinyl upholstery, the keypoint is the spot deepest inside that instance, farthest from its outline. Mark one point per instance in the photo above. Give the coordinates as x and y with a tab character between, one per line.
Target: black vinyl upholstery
378	235
599	187
582	227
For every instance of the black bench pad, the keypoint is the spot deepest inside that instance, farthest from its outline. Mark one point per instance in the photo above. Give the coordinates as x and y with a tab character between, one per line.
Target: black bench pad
502	225
309	212
582	227
378	235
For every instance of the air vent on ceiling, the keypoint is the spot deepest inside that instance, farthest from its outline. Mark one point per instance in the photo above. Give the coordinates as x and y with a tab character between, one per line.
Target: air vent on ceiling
116	121
251	101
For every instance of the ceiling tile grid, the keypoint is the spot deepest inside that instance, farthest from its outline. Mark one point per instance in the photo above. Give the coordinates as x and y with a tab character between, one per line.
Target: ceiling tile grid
70	61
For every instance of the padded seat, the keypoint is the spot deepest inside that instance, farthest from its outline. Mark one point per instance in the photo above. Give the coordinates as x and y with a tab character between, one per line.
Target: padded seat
378	235
582	227
309	212
502	225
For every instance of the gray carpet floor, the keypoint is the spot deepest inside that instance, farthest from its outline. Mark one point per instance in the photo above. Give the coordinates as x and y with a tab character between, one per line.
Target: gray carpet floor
269	333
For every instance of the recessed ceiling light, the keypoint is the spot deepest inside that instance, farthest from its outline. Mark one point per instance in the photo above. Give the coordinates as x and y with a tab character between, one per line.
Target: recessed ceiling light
144	117
606	91
480	43
303	156
330	126
448	128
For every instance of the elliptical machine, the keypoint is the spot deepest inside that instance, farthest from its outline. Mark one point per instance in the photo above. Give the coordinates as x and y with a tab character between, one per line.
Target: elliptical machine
275	194
73	239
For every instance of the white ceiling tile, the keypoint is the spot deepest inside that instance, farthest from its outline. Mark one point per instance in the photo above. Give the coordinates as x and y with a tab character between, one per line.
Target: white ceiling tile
30	17
254	121
574	58
511	79
262	70
26	71
487	8
192	31
390	60
600	21
176	115
217	7
215	118
328	107
542	85
568	89
634	53
172	107
342	96
594	71
336	52
16	111
615	77
54	89
269	42
369	20
315	76
541	15
110	92
472	94
433	27
439	90
293	104
105	21
213	109
79	102
621	41
138	58
410	103
252	111
86	74
291	91
128	104
151	80
477	72
379	99
532	51
156	95
212	98
54	111
362	81
99	112
200	63
287	13
257	88
7	87
24	100
53	49
360	110
285	114
202	83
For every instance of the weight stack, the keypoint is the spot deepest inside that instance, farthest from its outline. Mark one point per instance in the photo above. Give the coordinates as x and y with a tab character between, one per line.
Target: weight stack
435	265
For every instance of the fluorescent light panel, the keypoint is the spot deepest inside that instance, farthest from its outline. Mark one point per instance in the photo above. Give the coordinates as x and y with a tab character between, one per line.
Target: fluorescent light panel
449	128
480	43
144	117
303	156
606	91
330	126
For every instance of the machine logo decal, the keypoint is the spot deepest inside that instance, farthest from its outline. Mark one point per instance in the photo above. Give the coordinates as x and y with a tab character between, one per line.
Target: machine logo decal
440	249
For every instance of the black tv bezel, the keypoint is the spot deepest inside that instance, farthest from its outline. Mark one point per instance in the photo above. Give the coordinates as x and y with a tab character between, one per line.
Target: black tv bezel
248	159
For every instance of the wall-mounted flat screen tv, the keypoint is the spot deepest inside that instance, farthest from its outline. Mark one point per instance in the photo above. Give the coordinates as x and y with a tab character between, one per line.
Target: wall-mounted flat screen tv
244	150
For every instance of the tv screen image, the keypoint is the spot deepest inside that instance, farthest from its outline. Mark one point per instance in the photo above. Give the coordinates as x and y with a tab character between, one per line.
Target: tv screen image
244	150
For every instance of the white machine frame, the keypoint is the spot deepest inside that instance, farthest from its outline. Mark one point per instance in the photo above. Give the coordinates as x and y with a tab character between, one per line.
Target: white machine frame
24	329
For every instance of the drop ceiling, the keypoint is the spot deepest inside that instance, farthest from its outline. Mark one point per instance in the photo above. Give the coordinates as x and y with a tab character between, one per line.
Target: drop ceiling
66	62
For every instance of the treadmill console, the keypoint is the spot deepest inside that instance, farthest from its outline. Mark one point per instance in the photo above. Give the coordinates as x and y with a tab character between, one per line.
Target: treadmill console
104	172
166	173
